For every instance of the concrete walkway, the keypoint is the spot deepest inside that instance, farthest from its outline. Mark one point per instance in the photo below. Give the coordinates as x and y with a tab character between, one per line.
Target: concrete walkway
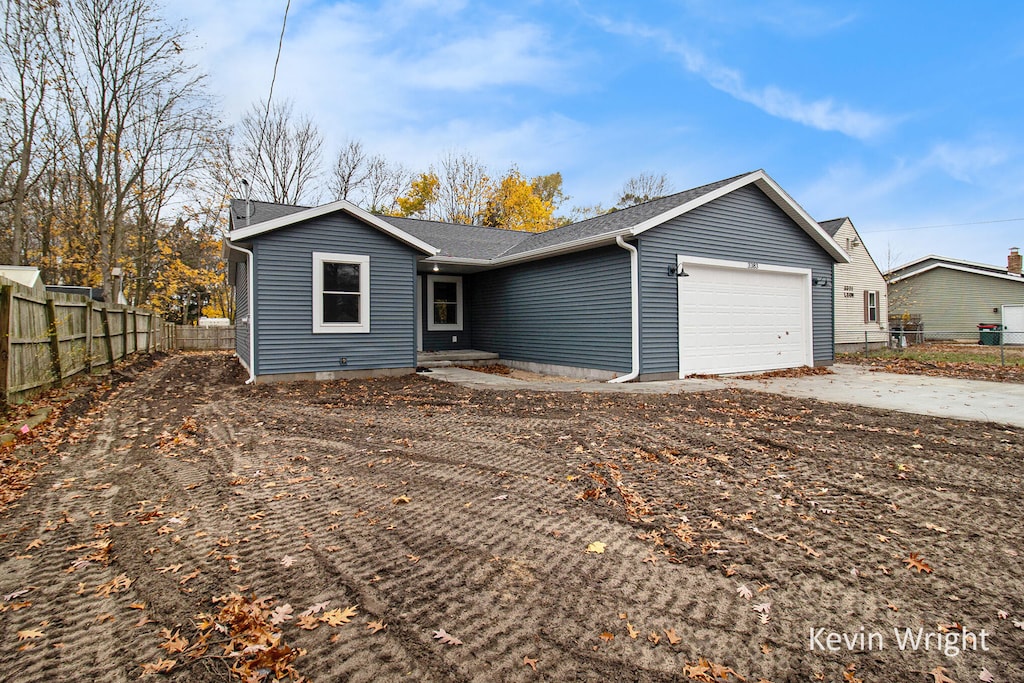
1001	402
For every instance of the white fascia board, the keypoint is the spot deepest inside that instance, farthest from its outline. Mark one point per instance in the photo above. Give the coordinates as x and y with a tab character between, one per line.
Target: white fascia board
340	205
947	260
774	192
949	266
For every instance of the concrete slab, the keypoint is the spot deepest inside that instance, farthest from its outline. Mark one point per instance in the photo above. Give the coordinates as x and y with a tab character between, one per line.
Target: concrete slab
1000	402
963	399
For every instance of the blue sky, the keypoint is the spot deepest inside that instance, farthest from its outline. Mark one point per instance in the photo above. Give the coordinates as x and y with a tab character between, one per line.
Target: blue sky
897	114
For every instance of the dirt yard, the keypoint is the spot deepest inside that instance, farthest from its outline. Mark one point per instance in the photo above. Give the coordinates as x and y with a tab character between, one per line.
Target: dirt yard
406	529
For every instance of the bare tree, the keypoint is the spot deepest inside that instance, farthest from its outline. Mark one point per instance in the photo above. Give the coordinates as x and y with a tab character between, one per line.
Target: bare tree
281	153
25	73
385	182
465	186
643	188
125	87
350	172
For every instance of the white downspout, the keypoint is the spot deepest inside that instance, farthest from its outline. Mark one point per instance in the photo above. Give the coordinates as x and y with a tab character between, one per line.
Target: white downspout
634	287
250	259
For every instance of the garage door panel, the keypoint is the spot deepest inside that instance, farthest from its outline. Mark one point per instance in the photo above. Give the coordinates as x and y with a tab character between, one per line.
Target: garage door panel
737	319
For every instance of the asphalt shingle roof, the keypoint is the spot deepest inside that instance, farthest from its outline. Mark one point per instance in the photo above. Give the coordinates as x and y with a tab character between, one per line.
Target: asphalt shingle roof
461	241
478	242
832	226
259	212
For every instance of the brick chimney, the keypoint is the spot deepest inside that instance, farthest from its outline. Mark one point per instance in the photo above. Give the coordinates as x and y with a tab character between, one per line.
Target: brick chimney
1013	261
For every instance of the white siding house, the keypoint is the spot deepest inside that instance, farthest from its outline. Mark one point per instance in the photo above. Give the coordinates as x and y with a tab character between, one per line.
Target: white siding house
861	304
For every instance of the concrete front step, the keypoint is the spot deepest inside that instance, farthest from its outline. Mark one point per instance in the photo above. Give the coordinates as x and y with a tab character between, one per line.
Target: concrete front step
445	359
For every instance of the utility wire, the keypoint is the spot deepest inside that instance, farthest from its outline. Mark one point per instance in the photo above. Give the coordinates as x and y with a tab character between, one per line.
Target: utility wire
946	225
270	96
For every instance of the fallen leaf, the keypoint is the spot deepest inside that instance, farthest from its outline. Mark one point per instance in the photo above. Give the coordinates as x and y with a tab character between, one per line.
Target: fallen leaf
376	626
939	675
916	562
336	617
596	547
281	614
161	666
308	622
446	638
532	663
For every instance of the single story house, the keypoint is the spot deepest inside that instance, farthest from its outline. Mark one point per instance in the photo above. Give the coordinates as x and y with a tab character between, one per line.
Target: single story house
861	303
952	296
733	276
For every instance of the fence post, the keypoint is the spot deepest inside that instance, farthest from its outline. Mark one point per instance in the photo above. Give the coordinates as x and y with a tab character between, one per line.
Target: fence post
106	336
88	337
54	334
6	300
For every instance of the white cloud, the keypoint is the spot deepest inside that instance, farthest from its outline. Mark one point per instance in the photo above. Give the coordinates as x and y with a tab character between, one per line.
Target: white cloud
822	114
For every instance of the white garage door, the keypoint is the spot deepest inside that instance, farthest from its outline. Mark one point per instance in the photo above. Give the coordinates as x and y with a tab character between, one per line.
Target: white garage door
743	317
1013	323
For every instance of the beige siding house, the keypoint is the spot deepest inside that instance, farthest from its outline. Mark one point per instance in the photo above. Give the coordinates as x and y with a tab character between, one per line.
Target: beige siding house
953	296
861	304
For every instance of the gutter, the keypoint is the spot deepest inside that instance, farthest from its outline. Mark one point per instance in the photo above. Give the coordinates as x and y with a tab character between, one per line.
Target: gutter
249	261
634	291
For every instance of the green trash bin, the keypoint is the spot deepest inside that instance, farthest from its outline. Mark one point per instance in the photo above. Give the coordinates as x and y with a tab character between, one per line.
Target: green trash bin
990	335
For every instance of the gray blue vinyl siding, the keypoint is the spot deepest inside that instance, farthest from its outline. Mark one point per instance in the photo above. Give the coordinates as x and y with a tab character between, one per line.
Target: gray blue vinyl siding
744	225
441	340
241	311
569	310
285	342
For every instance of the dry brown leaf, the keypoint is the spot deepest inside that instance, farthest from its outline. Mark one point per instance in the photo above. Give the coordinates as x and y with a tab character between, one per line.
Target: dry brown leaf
446	638
915	561
337	617
939	675
308	622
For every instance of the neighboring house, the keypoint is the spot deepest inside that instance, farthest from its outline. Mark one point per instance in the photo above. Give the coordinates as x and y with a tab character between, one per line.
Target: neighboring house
953	296
733	276
24	275
860	293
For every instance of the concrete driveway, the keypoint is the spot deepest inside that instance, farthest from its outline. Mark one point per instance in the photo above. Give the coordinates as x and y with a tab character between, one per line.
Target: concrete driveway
1000	402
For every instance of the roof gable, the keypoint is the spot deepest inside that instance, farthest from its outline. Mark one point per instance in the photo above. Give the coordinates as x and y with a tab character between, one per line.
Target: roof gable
279	216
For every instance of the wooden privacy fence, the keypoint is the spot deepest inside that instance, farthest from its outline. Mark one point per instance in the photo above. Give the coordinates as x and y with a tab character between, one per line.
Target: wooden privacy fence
192	338
48	338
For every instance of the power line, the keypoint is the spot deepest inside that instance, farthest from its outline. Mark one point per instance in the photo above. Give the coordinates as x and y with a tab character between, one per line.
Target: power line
270	96
946	225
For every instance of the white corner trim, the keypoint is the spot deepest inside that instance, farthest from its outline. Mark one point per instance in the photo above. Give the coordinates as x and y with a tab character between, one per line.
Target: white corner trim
319	325
340	205
459	307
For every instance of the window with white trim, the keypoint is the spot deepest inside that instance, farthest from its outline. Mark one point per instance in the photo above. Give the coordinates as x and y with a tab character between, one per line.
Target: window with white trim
341	293
444	302
871	307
